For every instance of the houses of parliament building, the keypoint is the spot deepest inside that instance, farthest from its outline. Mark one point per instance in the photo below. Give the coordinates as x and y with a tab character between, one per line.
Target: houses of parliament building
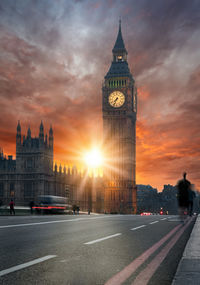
33	173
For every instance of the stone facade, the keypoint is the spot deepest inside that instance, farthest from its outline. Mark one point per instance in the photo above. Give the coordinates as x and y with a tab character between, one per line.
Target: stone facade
119	102
33	173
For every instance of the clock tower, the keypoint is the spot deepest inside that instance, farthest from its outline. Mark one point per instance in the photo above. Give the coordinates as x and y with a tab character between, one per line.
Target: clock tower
119	104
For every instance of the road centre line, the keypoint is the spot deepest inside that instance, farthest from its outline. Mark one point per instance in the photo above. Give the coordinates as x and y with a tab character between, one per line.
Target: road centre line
125	273
153	222
163	219
27	264
133	229
49	222
145	275
101	239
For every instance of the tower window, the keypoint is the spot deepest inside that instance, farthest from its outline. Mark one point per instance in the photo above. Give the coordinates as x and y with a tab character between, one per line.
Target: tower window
29	163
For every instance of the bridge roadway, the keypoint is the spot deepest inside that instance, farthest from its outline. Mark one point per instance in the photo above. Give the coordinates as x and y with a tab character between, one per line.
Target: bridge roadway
95	249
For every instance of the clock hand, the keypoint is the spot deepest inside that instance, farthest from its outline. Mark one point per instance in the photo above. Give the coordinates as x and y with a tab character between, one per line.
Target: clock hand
115	100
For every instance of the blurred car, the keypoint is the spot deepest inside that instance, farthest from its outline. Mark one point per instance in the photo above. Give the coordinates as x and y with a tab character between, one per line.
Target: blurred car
145	214
48	204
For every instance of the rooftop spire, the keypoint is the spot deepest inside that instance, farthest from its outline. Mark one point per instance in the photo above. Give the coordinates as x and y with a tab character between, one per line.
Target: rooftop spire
41	126
18	127
51	131
119	65
119	44
29	132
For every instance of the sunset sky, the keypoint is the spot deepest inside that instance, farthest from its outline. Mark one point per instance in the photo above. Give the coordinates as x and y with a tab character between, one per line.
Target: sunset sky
54	55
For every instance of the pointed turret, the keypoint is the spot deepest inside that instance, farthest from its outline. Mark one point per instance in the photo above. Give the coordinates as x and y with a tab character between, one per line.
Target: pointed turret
56	167
74	170
64	169
119	66
28	137
29	133
18	128
41	133
41	127
18	135
51	131
51	137
119	46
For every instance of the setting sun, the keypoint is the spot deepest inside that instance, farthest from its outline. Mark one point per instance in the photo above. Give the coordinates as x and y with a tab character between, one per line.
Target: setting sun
93	158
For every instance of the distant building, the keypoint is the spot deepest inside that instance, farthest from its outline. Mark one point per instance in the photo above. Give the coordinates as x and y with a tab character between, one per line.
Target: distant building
147	199
33	173
168	199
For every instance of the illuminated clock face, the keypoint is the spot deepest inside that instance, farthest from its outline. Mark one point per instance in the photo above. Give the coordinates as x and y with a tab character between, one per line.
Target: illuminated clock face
116	99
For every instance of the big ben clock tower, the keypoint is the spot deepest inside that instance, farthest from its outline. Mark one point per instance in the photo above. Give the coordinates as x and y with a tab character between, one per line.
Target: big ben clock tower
119	103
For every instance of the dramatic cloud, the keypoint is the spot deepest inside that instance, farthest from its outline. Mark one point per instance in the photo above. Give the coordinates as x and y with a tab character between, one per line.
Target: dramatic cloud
53	59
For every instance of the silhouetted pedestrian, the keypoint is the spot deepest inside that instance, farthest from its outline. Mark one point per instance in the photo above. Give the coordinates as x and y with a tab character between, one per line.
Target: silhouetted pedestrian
31	204
74	209
78	209
183	187
12	207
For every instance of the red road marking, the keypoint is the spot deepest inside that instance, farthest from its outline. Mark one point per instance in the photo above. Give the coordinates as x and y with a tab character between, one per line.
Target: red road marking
145	275
120	277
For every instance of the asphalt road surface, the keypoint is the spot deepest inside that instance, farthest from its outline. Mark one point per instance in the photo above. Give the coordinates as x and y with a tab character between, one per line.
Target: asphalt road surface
95	249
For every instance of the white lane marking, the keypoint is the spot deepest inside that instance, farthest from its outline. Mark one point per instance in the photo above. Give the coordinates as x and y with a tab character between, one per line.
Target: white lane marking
133	229
163	219
153	222
27	264
101	239
49	222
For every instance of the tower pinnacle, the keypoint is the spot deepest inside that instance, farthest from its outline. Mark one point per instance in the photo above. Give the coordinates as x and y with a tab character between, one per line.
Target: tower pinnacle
41	127
18	135
18	127
119	46
29	132
119	66
41	133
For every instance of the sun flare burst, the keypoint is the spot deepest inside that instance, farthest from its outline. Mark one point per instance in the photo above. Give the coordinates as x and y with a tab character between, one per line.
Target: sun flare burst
93	158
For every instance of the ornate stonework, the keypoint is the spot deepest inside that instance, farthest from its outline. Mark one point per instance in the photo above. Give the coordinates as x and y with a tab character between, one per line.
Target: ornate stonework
119	102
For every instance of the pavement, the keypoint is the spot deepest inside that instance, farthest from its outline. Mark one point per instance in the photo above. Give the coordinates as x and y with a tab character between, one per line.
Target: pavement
188	271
